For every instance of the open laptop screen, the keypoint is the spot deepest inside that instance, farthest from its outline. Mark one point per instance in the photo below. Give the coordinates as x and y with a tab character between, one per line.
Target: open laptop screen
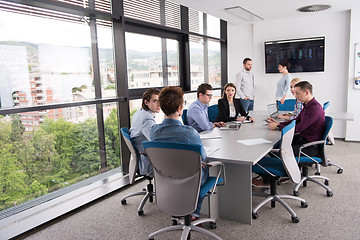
272	109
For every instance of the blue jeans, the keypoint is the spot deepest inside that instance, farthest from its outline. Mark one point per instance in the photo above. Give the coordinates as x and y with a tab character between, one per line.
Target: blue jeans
247	104
204	176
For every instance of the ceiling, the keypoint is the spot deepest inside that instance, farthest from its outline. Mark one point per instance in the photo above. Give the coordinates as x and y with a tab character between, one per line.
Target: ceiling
266	9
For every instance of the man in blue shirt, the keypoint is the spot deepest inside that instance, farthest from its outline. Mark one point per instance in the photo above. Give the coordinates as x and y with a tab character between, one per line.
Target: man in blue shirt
171	129
197	113
142	121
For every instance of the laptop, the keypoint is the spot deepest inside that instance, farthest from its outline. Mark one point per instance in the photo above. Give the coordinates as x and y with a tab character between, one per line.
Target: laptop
231	127
273	110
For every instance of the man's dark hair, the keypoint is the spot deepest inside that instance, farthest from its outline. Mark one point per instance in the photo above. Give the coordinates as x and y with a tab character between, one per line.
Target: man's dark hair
147	96
170	99
285	64
203	88
246	60
304	85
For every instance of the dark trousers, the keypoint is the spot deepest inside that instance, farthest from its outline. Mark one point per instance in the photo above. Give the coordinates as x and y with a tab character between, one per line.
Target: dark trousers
312	151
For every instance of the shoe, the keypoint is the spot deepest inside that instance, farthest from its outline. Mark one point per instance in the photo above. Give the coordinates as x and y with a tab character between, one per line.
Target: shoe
259	183
193	218
283	180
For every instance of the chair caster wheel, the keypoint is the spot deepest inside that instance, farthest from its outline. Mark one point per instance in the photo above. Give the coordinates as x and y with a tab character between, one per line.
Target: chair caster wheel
151	239
141	213
174	222
329	193
296	193
213	225
317	173
339	171
304	204
326	182
123	202
255	215
295	219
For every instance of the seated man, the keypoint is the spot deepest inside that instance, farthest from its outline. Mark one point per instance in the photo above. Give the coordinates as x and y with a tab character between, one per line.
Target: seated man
171	129
310	123
197	114
142	121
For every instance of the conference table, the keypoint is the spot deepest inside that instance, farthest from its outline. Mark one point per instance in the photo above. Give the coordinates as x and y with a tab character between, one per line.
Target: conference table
239	150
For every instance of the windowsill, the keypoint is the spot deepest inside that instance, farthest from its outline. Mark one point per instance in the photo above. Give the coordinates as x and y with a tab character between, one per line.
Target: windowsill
38	215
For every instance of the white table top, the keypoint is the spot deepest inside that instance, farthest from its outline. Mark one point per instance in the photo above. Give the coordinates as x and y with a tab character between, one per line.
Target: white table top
229	150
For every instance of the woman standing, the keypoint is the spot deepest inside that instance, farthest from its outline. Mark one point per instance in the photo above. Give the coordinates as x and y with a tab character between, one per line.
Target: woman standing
230	108
283	85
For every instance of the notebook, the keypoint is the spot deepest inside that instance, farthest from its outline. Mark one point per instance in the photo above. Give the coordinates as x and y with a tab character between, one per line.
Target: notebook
231	127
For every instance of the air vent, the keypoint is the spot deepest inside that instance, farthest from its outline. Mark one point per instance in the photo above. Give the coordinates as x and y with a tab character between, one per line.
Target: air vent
314	8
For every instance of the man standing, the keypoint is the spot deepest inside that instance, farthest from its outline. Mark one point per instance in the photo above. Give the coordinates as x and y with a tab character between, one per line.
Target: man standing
310	123
245	85
197	114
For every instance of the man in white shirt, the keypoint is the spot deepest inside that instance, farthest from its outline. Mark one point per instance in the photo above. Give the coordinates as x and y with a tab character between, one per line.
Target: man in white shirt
244	83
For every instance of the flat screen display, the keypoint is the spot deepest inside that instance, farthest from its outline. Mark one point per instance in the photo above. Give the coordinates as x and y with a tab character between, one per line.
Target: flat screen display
304	55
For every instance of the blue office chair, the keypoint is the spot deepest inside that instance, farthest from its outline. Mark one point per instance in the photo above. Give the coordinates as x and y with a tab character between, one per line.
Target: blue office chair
213	111
305	161
331	141
272	168
183	116
134	172
288	105
177	170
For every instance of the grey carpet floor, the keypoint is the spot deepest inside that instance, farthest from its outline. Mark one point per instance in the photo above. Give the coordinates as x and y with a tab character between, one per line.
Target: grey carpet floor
337	217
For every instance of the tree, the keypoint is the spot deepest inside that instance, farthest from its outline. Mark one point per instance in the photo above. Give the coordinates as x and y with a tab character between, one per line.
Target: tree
64	138
86	147
12	179
112	139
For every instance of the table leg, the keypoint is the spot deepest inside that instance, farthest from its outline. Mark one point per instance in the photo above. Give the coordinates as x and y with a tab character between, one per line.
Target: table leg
235	197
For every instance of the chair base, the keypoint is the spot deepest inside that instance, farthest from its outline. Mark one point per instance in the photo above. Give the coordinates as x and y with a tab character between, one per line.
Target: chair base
148	193
274	197
313	178
329	163
187	226
340	168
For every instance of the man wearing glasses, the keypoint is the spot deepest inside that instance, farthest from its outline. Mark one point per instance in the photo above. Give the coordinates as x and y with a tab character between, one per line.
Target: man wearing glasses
197	114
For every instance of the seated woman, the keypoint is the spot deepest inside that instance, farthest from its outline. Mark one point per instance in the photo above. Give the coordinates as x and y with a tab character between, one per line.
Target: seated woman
171	129
298	105
230	108
142	121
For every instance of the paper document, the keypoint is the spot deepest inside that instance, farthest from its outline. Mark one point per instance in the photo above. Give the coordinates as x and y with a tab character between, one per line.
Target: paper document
209	135
210	150
254	141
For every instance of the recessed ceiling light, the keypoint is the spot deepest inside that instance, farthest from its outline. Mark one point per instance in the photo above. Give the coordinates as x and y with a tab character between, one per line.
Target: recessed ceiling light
244	14
314	8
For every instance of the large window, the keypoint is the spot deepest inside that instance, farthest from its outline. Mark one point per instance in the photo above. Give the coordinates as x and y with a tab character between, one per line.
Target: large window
146	67
72	72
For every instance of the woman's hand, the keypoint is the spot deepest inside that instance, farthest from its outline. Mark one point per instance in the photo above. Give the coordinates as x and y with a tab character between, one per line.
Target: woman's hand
241	119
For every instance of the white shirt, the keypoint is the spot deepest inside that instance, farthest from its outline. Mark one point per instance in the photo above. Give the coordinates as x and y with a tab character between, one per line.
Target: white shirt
244	82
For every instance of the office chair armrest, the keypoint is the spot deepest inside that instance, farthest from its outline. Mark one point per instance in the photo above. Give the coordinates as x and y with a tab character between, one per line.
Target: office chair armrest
312	144
308	145
221	172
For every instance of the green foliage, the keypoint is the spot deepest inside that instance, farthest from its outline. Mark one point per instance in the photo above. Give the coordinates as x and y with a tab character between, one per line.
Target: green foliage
86	147
112	139
54	155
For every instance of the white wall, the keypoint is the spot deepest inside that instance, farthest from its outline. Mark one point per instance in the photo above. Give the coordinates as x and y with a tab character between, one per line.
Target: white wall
353	127
330	85
239	47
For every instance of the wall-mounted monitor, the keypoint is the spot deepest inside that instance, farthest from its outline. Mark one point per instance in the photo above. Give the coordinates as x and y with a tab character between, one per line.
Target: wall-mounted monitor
304	55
